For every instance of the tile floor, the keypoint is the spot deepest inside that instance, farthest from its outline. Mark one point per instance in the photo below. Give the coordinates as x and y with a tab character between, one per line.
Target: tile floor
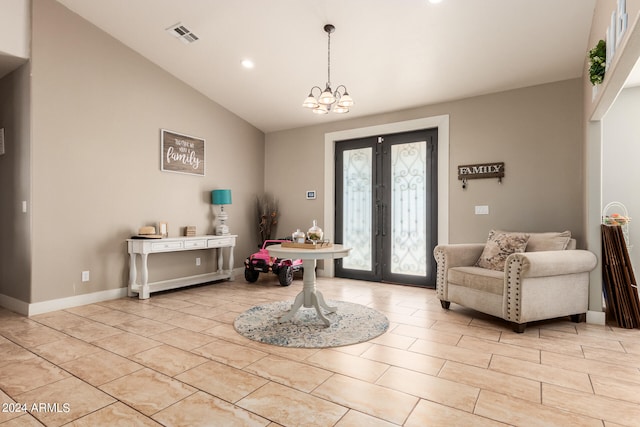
175	360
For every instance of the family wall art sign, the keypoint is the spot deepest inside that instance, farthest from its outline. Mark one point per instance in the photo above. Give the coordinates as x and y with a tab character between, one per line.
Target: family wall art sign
181	153
480	170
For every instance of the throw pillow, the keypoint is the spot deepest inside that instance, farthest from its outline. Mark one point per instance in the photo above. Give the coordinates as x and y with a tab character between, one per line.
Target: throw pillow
499	246
548	241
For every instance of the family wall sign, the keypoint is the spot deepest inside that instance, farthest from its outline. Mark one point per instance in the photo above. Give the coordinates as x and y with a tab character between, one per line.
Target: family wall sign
480	170
181	153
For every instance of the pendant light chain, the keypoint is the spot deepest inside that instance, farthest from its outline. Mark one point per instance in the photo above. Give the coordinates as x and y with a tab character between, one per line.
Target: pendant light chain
329	60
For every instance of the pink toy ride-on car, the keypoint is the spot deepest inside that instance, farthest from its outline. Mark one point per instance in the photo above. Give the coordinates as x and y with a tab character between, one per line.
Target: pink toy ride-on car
262	262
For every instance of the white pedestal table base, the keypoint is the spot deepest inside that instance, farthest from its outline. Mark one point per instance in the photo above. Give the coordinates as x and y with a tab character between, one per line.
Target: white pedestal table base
309	296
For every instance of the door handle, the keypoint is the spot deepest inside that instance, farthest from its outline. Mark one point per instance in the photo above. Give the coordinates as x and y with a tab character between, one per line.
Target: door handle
383	219
376	220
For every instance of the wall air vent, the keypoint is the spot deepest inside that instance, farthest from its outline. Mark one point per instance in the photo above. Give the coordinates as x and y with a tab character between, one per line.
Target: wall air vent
182	33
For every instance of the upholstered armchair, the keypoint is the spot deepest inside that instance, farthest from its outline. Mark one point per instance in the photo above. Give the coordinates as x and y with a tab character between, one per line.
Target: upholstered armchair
544	278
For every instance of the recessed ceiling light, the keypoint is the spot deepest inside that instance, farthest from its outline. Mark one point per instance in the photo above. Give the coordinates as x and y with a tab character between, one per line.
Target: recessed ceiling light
247	63
435	1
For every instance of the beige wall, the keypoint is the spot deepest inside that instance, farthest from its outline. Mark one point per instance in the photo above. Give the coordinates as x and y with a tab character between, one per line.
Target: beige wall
536	131
97	112
15	225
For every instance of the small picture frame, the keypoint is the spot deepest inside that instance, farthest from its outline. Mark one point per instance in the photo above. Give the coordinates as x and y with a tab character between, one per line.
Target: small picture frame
163	229
311	194
621	20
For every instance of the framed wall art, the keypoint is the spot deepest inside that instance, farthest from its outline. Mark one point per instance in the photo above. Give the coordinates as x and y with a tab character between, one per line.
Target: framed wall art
181	153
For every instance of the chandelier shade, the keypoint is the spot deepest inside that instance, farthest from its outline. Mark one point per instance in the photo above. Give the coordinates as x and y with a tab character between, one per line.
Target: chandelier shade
311	101
345	100
321	109
340	109
325	99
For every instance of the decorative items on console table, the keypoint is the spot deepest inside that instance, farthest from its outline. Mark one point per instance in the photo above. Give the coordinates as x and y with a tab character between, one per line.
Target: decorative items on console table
163	228
147	232
190	231
221	197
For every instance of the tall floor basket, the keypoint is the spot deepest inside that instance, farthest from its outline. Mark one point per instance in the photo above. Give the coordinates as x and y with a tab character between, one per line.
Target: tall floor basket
620	286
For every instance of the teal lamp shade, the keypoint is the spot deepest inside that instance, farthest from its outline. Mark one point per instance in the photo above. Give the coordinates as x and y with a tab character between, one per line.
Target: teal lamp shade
221	197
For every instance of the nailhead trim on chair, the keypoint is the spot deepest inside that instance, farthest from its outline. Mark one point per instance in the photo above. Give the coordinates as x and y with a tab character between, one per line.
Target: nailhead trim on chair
440	262
513	289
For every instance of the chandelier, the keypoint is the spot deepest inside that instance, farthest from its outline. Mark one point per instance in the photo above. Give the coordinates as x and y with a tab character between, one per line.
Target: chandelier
325	100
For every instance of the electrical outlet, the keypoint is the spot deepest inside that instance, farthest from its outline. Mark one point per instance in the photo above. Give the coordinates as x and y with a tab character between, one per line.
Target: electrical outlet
85	276
198	261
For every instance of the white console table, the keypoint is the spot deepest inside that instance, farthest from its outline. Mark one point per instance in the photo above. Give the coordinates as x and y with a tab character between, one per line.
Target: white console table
144	247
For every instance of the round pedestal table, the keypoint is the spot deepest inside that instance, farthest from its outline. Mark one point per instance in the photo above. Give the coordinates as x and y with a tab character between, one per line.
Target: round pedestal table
309	296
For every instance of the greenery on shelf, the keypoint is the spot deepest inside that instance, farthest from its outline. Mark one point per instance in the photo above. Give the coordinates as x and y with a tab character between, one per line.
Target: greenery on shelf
597	63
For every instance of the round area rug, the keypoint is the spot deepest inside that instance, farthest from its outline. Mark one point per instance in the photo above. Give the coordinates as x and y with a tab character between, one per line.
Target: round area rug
351	324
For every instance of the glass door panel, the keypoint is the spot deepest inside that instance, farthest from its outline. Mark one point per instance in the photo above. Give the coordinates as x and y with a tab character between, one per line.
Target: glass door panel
408	216
357	171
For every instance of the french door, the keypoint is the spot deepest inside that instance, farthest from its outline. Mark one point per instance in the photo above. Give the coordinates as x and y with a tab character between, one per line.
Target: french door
386	207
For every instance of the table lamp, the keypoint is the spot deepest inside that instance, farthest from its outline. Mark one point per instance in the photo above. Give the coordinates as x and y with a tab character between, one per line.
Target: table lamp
221	197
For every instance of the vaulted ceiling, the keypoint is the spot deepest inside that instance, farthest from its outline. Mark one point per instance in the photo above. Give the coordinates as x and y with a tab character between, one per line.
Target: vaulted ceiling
390	54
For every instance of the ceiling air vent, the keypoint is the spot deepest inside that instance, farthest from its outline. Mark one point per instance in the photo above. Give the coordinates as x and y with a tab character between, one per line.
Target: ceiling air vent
182	33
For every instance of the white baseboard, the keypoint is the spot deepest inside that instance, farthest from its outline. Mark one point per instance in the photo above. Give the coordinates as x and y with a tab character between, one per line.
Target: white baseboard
75	301
596	317
14	305
27	309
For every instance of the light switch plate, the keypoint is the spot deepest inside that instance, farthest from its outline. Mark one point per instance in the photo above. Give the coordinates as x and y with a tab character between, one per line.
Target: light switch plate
482	210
